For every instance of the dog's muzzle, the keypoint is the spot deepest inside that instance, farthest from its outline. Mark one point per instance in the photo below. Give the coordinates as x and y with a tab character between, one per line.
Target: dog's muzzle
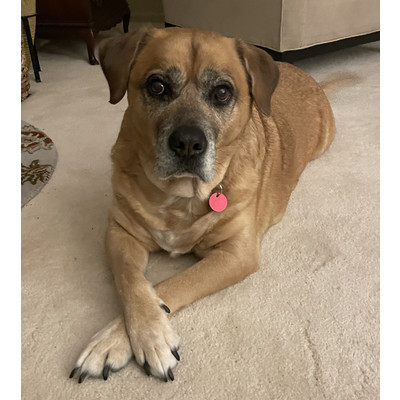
186	150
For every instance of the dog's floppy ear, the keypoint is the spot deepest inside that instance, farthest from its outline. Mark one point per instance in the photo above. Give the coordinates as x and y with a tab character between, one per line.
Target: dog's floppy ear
117	55
263	73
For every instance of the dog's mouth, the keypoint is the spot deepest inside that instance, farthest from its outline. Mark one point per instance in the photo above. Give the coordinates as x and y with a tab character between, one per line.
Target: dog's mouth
174	167
194	171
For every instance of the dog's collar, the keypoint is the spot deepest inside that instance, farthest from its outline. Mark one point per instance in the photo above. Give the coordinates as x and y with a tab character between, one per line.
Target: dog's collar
218	201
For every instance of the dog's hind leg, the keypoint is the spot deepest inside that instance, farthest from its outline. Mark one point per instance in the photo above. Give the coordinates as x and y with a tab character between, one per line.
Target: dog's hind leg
327	130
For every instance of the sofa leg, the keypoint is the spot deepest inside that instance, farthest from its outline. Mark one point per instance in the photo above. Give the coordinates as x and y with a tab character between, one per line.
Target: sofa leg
287	57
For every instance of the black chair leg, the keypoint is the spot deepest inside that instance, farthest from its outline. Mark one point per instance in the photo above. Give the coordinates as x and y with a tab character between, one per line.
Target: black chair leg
32	48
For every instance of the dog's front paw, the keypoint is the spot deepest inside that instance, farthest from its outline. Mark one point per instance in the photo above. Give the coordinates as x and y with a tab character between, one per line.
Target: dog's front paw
108	350
154	342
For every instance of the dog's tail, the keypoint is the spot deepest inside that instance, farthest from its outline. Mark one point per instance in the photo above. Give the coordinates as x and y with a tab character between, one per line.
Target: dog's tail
337	81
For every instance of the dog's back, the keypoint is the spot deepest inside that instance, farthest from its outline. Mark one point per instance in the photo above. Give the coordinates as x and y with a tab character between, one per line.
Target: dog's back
301	127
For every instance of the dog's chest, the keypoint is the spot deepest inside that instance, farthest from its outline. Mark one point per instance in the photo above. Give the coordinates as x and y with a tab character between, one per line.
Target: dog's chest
172	242
181	229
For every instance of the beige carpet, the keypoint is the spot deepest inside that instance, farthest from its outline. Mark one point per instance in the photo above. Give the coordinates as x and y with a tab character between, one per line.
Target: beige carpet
305	326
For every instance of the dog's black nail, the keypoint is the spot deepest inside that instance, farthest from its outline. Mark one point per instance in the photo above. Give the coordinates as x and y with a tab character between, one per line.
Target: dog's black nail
71	375
106	372
170	374
146	367
82	377
165	378
175	354
166	308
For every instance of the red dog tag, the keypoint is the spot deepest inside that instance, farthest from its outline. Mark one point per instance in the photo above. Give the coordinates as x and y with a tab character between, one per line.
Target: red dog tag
218	202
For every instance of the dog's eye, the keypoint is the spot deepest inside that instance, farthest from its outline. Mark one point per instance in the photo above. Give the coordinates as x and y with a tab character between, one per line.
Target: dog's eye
221	94
156	87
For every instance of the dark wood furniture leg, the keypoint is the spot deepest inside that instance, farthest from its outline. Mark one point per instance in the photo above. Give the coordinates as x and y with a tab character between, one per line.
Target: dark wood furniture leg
90	38
80	19
126	20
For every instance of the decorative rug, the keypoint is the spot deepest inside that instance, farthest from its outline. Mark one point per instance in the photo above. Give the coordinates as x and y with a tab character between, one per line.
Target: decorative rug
38	161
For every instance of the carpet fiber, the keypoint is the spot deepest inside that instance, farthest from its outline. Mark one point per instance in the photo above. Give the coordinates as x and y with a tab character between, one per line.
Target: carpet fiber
305	326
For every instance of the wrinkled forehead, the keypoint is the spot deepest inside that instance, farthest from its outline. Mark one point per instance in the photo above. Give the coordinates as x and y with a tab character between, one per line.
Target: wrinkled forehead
190	53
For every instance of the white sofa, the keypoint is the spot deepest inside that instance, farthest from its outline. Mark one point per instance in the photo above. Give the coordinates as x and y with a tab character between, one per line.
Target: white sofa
279	25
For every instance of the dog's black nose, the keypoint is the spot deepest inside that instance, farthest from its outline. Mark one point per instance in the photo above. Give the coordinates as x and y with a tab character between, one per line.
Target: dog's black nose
187	141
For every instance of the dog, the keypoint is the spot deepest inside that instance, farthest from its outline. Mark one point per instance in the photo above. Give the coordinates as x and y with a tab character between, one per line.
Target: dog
213	142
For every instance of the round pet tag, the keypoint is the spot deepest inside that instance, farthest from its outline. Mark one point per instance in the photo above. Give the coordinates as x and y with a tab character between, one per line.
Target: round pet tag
218	202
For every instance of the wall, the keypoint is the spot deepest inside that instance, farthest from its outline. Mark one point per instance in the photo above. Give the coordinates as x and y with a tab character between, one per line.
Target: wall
146	10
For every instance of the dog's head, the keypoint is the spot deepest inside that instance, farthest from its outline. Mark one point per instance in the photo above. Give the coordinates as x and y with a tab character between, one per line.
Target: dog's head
190	94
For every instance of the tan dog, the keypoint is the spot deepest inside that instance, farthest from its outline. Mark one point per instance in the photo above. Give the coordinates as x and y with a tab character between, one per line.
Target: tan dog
204	112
